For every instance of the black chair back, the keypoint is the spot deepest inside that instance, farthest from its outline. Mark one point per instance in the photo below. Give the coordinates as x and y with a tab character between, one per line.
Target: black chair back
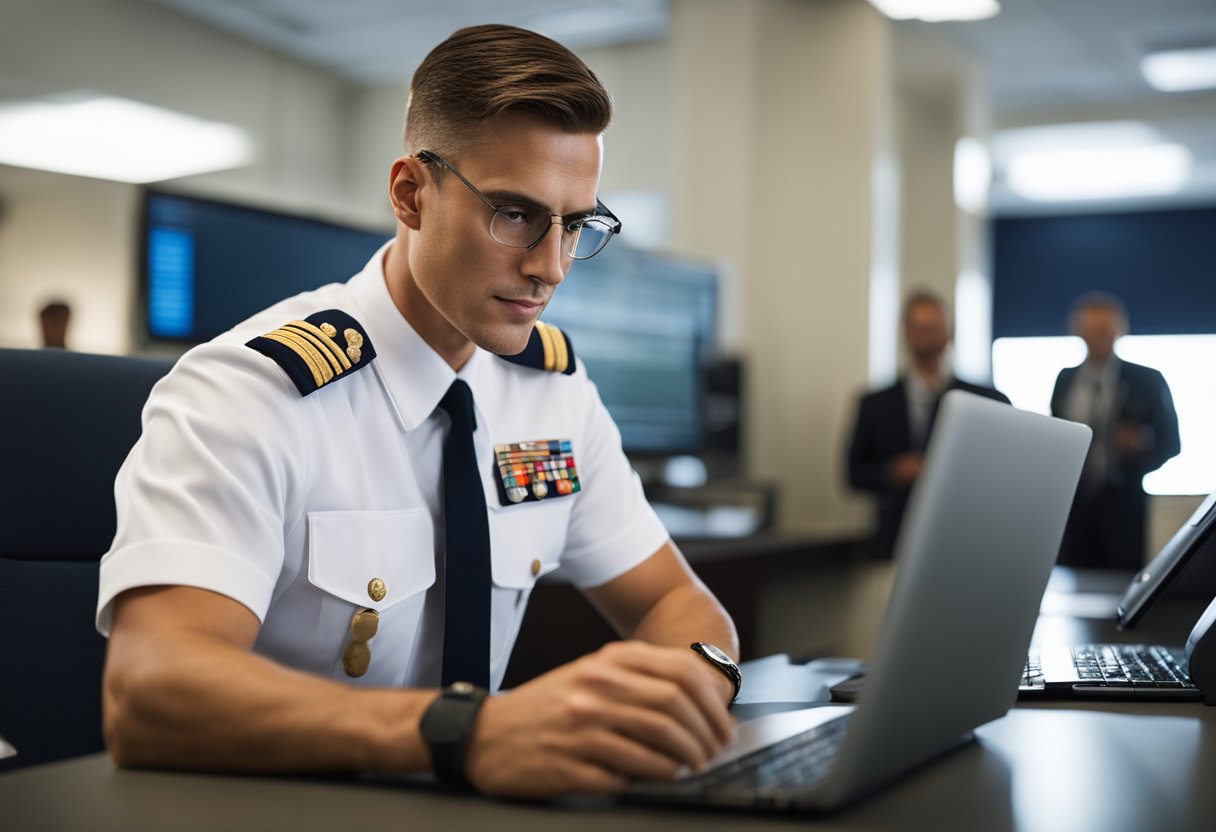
67	422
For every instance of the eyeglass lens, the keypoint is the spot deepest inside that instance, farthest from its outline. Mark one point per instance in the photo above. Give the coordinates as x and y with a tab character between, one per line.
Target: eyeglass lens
525	227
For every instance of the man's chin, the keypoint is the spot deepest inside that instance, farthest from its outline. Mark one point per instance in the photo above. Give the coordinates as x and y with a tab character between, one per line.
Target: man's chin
504	340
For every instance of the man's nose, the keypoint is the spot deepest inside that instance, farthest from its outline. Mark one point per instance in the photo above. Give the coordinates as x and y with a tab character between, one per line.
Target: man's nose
548	261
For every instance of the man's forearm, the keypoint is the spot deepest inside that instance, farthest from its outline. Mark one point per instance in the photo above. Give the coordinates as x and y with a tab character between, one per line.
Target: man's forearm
184	695
206	705
686	614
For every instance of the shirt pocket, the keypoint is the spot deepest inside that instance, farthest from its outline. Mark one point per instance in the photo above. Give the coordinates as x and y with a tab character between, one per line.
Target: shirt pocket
380	560
526	542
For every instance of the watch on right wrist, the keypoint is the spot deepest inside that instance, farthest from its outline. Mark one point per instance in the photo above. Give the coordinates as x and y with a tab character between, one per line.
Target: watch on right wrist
724	663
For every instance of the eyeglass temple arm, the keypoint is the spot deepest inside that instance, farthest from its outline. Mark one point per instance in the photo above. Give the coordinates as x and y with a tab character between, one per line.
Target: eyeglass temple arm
602	210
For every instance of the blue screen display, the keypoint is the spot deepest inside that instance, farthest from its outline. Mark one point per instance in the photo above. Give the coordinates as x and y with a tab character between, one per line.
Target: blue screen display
170	282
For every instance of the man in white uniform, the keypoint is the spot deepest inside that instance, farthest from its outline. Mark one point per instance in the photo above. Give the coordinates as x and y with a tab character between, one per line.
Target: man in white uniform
280	594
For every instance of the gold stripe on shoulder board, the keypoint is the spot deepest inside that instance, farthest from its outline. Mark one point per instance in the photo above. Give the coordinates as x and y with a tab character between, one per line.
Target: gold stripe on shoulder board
556	343
318	346
546	341
305	353
326	341
324	366
329	367
563	355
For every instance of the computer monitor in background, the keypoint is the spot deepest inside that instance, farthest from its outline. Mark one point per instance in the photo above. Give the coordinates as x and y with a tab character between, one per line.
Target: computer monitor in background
644	325
207	265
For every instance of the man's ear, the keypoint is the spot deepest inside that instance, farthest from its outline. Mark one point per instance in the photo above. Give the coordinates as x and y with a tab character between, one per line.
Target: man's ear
405	180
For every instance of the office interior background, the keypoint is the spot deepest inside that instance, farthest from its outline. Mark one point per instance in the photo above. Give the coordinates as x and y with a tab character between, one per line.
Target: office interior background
817	157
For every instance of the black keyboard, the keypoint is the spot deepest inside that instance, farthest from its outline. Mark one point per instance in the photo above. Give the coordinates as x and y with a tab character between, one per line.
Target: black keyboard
793	764
1118	666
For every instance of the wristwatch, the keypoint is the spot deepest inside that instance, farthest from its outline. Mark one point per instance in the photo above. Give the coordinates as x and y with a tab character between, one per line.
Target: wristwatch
447	725
722	662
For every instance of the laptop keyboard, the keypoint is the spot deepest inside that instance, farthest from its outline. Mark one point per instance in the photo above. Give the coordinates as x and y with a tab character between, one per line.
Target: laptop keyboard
793	764
1117	665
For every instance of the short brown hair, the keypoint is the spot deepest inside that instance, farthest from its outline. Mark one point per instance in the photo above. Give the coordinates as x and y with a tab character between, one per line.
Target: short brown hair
484	71
923	297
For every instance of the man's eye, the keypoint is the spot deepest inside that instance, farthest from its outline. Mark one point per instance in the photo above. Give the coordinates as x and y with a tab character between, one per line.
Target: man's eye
515	216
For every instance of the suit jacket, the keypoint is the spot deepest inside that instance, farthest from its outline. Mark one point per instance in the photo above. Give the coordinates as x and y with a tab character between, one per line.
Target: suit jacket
1142	398
881	433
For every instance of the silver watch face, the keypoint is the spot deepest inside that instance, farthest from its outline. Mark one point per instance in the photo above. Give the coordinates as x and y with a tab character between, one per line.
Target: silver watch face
715	654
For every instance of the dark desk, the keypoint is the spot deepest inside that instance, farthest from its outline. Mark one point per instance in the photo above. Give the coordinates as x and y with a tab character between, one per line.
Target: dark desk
1055	766
1106	769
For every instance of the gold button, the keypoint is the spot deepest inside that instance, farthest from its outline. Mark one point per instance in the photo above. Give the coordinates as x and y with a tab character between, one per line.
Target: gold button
353	338
364	625
535	568
356	659
329	329
377	589
354	353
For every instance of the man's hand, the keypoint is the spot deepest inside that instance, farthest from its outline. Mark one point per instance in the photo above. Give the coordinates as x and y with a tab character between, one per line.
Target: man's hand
905	468
1129	439
629	710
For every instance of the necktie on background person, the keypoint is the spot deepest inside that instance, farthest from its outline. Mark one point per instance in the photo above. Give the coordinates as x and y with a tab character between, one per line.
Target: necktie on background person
466	617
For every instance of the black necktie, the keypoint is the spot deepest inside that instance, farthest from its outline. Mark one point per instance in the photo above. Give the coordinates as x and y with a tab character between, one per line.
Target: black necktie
466	618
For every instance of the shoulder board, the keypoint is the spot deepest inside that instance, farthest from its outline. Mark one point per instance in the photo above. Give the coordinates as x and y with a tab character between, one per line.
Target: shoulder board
315	351
548	349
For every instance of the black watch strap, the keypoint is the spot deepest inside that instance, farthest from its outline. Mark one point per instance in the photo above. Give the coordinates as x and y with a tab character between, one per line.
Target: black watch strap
447	725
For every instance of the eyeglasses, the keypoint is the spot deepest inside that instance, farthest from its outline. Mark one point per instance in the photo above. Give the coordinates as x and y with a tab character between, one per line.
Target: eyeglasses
524	225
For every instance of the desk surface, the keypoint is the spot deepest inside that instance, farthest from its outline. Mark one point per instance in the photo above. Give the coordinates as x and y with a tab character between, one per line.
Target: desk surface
1039	768
1070	766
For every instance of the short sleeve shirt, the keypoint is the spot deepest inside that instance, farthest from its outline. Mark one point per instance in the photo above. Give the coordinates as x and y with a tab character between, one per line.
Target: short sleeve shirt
292	505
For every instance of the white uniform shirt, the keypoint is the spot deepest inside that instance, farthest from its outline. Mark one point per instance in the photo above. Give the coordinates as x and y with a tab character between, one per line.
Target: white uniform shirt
291	504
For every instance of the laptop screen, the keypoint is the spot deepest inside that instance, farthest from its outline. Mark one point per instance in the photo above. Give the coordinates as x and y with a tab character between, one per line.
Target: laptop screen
1192	538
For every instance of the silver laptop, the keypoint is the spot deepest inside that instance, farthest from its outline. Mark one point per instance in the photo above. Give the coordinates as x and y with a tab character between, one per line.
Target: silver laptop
977	545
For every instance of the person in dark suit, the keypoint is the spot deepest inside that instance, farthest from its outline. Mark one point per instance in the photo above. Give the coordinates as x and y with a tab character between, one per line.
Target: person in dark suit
893	424
1135	429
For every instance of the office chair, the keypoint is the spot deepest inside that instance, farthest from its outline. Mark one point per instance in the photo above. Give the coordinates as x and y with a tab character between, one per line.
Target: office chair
67	421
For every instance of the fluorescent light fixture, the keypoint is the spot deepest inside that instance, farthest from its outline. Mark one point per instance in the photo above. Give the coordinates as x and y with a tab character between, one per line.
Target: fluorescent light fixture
1175	70
1091	135
118	139
972	175
1100	173
937	11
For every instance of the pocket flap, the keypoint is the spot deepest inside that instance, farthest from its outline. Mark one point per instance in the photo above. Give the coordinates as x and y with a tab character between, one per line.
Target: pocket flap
519	568
374	559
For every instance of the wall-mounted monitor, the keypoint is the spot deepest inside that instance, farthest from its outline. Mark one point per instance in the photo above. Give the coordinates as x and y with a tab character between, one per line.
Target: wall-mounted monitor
644	325
206	265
